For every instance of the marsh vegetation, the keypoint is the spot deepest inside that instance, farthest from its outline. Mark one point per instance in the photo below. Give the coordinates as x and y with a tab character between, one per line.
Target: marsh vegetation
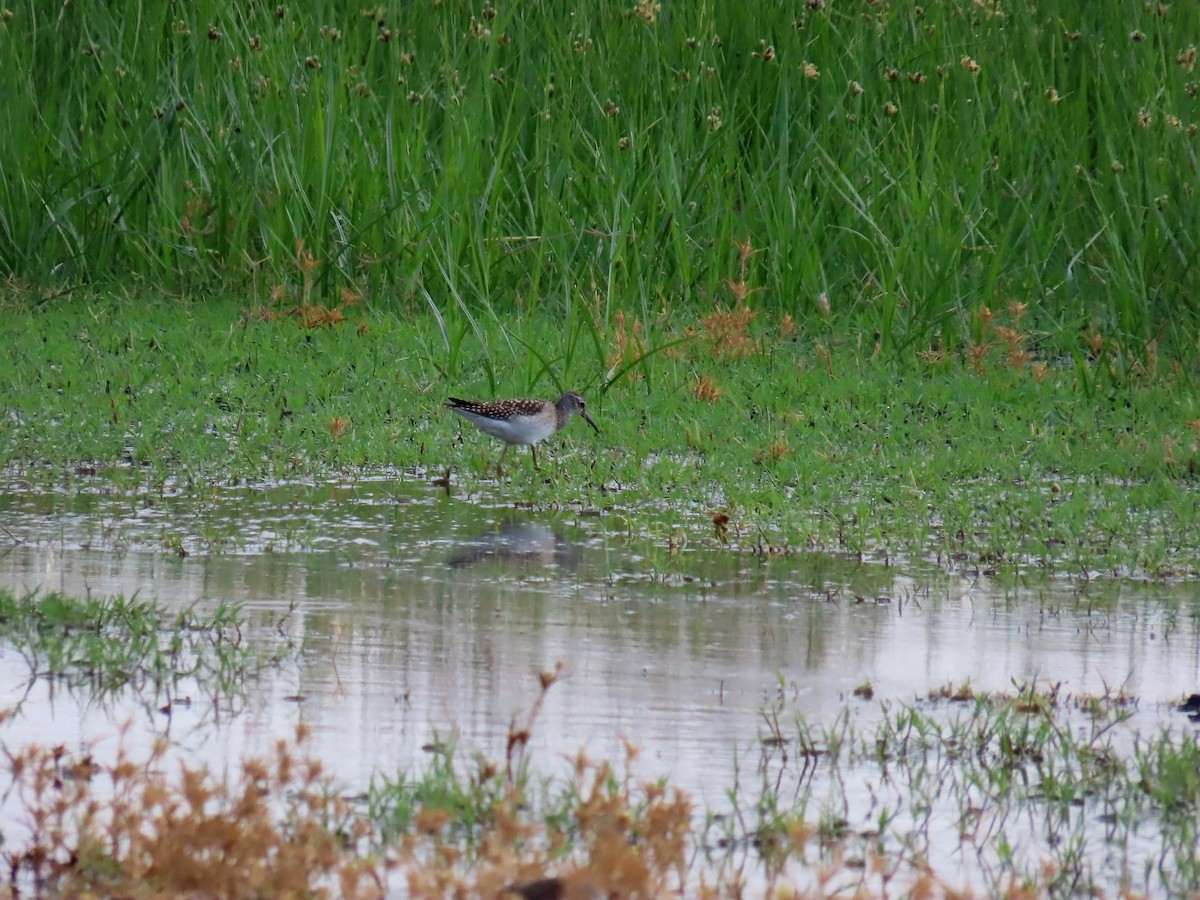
907	287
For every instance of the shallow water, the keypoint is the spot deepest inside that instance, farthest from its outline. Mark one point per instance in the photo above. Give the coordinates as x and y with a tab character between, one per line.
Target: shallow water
425	615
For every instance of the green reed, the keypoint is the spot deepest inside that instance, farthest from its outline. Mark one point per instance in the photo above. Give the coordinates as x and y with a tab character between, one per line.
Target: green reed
895	167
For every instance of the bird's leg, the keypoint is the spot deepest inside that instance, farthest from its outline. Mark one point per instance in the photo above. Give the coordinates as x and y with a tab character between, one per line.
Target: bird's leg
533	450
500	462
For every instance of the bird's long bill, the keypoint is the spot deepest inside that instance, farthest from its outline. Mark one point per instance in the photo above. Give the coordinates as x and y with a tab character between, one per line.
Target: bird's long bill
588	419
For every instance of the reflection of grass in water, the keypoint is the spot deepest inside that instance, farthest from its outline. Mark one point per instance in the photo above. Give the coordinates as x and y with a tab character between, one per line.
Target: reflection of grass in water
109	645
1012	784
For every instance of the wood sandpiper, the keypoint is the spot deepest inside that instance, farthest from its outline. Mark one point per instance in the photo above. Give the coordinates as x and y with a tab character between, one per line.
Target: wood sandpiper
522	420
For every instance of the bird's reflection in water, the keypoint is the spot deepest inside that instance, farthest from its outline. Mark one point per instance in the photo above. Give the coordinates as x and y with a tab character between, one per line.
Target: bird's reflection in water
527	543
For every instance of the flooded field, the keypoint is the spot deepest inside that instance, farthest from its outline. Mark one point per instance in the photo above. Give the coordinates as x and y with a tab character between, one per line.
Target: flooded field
422	617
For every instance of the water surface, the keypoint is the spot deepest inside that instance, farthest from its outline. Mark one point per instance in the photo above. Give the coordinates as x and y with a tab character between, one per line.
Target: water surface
424	616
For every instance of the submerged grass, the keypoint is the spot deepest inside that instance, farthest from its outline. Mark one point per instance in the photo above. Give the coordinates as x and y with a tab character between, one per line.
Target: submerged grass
1031	793
109	646
1035	793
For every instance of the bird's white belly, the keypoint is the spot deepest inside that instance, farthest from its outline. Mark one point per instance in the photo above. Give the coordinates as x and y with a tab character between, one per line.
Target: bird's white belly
514	430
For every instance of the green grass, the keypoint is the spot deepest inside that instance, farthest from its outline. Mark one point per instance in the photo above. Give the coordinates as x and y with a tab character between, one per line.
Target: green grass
111	646
902	166
1036	790
802	445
